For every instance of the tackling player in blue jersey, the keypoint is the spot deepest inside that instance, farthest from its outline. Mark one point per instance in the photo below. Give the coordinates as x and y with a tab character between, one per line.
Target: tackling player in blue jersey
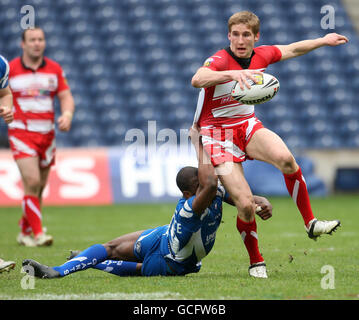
173	249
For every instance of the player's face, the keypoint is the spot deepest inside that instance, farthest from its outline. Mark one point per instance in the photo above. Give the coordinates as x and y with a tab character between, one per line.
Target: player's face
242	40
34	44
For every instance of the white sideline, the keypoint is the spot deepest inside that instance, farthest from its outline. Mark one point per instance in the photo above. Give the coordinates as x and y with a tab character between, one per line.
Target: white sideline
103	296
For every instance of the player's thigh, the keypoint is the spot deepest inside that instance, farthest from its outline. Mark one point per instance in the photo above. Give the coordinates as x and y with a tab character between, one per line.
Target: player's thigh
267	146
236	184
122	247
29	171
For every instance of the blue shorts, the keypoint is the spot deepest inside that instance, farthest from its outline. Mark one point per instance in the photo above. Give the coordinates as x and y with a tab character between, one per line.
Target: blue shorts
147	249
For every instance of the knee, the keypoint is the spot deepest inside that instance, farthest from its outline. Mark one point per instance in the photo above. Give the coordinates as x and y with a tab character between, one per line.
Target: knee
287	164
32	184
245	208
248	212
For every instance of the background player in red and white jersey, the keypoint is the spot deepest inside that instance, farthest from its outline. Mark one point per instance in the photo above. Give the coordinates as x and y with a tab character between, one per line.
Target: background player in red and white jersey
231	133
35	80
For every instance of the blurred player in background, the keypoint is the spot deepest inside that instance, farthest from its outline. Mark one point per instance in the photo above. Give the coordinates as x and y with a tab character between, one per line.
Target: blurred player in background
174	249
231	133
35	80
7	115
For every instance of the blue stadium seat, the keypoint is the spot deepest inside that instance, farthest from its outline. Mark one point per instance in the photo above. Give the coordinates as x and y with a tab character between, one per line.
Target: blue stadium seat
87	135
351	141
295	141
345	111
326	141
311	111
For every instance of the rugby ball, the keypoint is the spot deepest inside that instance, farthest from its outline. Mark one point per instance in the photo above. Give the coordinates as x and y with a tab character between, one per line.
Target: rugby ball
265	89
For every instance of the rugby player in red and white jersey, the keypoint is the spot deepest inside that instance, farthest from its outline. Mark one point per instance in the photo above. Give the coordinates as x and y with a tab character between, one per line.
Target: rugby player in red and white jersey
231	133
35	80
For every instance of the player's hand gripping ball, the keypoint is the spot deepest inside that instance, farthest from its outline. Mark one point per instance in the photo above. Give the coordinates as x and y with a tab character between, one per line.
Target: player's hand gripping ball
265	89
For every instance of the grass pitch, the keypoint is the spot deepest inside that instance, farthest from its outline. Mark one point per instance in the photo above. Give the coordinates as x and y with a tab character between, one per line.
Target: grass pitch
298	268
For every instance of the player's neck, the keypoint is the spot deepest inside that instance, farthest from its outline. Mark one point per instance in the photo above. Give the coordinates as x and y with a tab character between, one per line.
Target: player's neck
32	63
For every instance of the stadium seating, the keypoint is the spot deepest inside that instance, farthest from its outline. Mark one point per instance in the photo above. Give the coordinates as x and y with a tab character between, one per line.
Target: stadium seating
131	61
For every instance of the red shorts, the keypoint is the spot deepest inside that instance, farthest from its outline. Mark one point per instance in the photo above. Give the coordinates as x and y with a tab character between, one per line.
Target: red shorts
228	144
24	144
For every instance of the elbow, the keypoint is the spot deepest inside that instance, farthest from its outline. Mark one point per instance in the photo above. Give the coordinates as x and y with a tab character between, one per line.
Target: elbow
196	82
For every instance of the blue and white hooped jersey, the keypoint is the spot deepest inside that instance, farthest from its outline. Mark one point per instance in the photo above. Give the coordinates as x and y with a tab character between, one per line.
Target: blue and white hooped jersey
4	72
191	236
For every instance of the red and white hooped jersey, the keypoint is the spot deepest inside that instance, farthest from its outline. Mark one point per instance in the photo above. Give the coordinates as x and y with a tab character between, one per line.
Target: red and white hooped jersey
215	106
33	93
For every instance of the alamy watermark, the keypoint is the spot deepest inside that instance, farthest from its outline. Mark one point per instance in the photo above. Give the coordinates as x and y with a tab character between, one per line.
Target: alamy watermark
28	19
328	281
28	280
328	19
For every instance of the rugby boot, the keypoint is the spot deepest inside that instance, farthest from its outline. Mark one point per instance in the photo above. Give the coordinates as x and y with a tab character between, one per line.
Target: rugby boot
25	240
318	227
39	270
258	270
6	265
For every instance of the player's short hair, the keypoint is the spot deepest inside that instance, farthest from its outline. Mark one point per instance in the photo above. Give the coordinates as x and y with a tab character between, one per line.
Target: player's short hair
185	177
244	17
23	36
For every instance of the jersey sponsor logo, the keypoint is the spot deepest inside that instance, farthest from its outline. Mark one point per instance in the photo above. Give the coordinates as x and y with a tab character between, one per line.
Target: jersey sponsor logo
208	62
138	247
210	238
38	93
37	81
52	84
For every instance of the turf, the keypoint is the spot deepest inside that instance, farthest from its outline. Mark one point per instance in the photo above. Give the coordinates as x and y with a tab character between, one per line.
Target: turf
294	262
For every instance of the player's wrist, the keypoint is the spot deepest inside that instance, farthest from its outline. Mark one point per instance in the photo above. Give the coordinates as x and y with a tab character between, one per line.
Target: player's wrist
68	114
321	42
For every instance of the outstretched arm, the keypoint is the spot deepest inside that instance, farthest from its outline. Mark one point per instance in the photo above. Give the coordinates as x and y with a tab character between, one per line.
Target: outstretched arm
207	178
299	48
